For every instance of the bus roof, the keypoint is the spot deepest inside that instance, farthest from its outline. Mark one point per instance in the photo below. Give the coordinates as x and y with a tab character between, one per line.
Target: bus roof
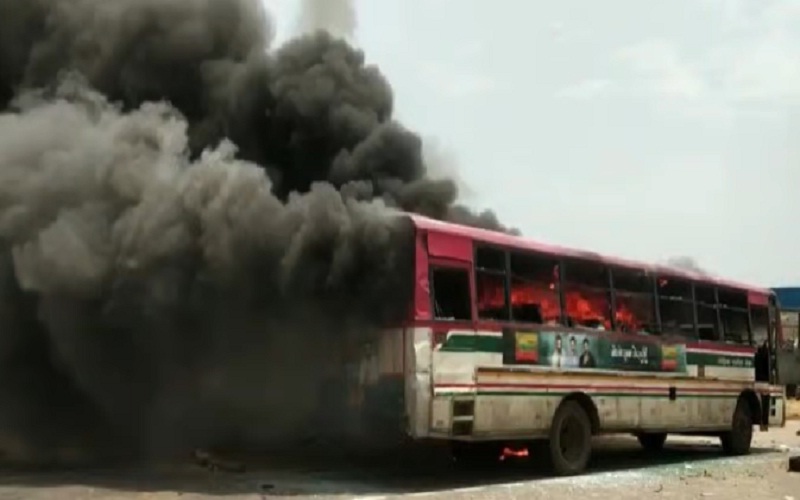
508	240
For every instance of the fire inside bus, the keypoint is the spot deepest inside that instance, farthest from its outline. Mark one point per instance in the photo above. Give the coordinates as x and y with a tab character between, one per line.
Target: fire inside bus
514	342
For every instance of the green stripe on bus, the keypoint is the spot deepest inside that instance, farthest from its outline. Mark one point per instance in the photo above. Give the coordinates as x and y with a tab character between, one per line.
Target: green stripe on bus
708	359
494	345
473	343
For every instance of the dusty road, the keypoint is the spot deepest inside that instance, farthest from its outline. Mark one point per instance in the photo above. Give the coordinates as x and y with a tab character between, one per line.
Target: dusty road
689	468
793	409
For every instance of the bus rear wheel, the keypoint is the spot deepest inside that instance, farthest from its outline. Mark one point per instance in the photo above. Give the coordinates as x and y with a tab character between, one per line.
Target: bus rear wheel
652	441
570	443
737	440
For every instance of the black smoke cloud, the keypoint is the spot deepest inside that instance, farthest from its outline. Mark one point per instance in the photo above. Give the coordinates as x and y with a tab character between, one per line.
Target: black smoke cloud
191	222
687	263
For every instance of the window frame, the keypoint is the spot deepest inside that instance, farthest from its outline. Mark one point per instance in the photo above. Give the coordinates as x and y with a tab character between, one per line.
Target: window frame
450	264
504	273
748	340
565	285
691	301
557	261
652	294
750	310
720	337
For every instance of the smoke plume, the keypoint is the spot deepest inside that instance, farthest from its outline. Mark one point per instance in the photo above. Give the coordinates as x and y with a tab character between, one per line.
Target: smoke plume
687	263
192	222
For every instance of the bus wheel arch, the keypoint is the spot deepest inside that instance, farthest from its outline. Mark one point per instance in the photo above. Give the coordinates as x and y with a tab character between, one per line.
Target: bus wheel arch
569	445
754	405
738	439
588	406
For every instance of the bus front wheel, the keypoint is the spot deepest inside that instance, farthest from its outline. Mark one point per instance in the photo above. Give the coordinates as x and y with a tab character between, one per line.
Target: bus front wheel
737	440
570	443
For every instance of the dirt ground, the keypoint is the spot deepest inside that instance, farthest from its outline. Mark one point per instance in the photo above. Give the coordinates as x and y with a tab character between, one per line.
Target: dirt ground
687	468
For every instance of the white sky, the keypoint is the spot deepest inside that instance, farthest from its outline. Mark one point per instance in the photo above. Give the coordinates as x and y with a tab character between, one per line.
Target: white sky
643	129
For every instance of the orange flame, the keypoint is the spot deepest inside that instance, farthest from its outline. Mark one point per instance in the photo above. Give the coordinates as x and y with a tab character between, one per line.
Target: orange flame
582	306
513	453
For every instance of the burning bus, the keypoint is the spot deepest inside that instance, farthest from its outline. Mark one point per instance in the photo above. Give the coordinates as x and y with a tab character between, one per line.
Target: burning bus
512	341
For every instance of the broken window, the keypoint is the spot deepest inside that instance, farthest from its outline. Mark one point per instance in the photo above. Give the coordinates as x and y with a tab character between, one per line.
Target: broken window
587	295
759	315
534	289
490	276
733	309
634	298
676	306
708	326
450	291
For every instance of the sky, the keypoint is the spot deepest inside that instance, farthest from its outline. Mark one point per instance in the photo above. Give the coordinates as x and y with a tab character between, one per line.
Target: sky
645	130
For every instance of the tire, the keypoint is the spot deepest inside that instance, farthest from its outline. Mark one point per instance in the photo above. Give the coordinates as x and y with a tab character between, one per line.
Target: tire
737	441
476	454
652	441
570	444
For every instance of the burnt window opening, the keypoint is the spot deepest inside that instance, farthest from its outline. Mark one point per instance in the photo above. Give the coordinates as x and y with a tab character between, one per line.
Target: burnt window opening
634	301
759	317
708	320
491	282
534	289
587	295
733	309
676	306
490	259
759	321
451	294
491	296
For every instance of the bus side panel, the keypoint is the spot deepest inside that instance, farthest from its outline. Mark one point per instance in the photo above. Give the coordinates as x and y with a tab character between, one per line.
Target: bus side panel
525	402
777	409
476	395
417	376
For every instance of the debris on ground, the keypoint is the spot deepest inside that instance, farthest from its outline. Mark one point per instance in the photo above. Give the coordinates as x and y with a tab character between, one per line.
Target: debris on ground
213	463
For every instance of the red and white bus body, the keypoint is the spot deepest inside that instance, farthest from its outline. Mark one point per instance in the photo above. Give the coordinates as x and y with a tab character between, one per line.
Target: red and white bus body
467	377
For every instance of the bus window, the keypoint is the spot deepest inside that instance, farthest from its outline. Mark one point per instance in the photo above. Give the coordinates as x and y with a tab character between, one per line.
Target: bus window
676	306
634	300
708	326
587	295
534	289
734	314
450	292
759	319
490	276
759	316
